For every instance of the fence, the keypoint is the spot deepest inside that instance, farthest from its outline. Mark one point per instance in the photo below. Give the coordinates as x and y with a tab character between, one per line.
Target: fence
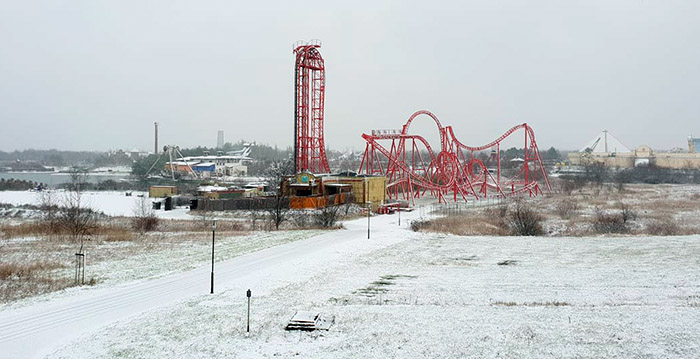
457	207
317	201
233	204
260	203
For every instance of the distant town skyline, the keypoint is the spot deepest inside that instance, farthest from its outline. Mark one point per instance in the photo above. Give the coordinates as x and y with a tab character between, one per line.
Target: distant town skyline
91	75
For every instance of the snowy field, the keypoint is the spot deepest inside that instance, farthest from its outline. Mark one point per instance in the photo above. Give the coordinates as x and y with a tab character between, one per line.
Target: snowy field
404	295
111	203
152	255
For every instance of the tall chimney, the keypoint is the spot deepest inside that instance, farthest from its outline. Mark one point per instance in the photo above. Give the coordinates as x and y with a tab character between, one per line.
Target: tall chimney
220	139
156	134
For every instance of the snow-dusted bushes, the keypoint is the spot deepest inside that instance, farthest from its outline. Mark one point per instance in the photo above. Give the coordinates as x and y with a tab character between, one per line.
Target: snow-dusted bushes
663	227
327	217
566	208
523	220
145	219
607	222
614	222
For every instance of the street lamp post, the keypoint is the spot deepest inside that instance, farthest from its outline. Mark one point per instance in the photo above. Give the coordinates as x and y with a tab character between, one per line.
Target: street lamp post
369	210
213	234
248	293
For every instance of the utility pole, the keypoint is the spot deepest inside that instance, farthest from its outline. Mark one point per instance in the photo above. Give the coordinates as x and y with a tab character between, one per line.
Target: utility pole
213	234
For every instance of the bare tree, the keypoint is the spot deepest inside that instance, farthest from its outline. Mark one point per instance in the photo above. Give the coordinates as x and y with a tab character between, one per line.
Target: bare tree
254	217
203	212
77	219
301	219
49	206
596	172
278	207
327	217
74	216
145	219
349	202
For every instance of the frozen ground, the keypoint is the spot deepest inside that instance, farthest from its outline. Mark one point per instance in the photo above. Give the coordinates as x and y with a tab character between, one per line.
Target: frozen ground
108	263
111	203
55	322
400	294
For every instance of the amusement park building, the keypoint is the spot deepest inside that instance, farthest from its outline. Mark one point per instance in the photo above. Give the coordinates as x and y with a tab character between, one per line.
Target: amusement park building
307	190
218	165
606	149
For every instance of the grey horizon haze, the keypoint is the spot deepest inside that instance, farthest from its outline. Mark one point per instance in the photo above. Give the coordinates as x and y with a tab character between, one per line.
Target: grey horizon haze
95	75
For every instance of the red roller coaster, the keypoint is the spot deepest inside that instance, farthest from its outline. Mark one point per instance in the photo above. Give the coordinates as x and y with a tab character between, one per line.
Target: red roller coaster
309	93
459	171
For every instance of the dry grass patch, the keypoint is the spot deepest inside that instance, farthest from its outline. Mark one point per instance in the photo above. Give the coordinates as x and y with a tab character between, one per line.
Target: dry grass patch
640	209
26	229
663	227
673	206
25	270
472	224
566	208
19	280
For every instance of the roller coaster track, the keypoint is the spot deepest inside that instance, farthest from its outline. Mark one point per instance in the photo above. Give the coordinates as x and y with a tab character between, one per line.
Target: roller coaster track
413	168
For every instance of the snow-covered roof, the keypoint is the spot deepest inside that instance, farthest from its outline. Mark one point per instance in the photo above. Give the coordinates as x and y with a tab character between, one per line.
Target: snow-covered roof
605	142
211	188
214	158
182	163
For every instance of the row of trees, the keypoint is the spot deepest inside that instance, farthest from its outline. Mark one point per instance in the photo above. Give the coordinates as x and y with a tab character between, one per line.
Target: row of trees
597	173
12	184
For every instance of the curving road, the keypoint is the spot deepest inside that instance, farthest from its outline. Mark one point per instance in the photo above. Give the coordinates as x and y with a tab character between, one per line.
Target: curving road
38	330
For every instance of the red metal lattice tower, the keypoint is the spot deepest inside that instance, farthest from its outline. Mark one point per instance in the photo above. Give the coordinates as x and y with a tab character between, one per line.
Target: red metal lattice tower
309	96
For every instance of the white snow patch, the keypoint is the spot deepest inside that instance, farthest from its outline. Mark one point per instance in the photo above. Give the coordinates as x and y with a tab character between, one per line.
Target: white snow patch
111	203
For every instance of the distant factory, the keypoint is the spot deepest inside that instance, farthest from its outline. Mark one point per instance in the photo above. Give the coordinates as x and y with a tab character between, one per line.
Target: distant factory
607	149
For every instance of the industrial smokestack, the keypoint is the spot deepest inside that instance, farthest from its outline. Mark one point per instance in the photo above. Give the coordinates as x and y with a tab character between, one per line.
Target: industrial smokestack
156	136
220	139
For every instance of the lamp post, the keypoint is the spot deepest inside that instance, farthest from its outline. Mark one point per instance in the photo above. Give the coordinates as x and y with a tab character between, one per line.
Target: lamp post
248	293
213	234
369	210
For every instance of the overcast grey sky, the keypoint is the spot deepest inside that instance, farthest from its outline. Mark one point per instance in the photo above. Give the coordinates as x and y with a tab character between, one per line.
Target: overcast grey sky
97	74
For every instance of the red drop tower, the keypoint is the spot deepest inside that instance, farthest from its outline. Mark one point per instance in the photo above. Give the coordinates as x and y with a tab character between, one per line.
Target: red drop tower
309	94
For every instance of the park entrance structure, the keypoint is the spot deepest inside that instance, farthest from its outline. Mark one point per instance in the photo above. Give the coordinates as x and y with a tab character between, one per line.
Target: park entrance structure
309	93
457	171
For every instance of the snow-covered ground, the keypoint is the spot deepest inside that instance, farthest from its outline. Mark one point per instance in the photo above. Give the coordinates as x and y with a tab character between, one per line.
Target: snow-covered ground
111	203
150	256
400	294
